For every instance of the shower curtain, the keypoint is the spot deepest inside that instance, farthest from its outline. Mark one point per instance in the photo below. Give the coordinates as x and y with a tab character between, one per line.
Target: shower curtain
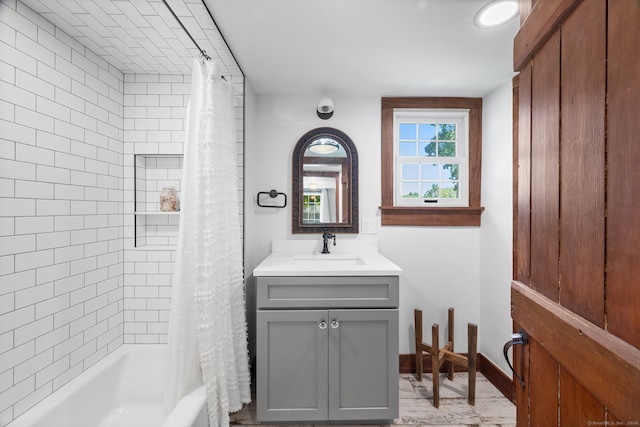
207	328
328	204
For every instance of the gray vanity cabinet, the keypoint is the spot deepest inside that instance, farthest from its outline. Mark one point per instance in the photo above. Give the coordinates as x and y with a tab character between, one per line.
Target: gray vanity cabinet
327	356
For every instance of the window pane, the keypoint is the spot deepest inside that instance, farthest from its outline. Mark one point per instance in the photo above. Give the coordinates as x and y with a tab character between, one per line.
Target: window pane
430	190
310	208
426	131
450	172
409	190
449	190
430	172
408	131
447	131
407	149
446	149
436	142
409	172
427	149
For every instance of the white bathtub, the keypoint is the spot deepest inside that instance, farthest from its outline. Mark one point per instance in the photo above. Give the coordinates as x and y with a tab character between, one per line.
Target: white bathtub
125	389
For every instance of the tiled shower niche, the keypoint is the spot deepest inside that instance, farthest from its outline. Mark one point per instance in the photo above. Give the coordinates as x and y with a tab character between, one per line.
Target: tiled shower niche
155	229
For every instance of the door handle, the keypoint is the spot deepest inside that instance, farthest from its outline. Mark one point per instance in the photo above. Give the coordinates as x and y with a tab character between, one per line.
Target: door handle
335	324
322	324
520	337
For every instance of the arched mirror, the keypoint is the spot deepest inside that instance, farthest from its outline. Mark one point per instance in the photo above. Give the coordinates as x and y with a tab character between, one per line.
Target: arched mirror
325	183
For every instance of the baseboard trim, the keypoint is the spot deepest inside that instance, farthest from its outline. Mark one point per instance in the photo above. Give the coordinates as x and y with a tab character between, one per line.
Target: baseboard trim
486	367
497	377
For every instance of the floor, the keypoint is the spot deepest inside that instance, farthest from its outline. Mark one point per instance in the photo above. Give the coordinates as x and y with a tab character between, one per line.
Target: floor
492	409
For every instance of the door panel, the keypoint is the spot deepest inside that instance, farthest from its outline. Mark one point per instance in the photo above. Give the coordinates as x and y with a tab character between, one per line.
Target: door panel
577	405
623	198
607	366
582	208
543	386
545	163
521	361
522	178
577	227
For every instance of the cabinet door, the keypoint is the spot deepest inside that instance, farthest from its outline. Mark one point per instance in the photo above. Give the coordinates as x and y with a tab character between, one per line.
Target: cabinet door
292	365
363	364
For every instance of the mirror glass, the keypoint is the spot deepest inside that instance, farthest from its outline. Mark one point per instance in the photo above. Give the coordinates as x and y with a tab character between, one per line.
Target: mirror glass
325	183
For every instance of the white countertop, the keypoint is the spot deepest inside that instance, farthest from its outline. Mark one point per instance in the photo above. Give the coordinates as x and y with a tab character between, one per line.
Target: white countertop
359	257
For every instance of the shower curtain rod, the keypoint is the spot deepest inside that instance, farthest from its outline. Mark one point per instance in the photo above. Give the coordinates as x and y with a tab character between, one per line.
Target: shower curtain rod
203	53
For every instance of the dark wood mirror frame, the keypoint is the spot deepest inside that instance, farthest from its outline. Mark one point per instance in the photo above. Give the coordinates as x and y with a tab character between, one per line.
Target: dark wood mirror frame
351	224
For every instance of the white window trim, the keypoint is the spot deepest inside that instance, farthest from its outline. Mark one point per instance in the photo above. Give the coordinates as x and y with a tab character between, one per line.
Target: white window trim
461	118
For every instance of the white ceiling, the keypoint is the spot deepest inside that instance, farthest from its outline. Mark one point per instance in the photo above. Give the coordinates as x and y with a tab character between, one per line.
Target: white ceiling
328	47
366	47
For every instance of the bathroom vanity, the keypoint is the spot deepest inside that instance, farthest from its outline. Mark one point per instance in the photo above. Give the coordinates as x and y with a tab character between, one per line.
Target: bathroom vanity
326	334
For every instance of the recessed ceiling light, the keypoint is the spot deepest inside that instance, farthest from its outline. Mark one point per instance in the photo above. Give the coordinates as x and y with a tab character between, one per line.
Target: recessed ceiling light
496	12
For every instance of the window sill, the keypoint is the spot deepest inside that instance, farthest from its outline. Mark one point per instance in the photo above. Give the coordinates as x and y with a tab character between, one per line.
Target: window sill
421	216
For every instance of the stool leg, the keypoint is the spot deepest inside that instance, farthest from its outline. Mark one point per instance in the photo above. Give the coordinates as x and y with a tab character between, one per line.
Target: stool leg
450	338
472	331
435	364
417	316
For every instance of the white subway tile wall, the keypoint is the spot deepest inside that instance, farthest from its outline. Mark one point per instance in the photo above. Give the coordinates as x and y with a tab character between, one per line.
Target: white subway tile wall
62	206
73	284
155	109
149	258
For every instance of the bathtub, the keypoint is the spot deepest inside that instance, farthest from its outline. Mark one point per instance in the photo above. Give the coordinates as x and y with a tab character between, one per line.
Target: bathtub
124	389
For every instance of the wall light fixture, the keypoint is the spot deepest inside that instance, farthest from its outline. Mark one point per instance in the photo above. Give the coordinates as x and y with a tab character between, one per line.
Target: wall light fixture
325	108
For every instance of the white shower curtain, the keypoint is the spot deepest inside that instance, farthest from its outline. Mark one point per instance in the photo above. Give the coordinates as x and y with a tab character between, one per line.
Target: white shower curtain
328	205
207	328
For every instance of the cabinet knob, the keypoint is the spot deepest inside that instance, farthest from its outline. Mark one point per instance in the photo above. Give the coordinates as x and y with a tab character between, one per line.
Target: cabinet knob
335	324
322	324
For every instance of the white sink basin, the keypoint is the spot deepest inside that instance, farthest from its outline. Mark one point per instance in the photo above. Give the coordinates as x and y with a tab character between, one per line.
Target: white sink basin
327	259
300	257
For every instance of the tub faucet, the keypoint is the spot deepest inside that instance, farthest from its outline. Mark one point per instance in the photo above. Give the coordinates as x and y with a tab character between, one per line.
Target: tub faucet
325	240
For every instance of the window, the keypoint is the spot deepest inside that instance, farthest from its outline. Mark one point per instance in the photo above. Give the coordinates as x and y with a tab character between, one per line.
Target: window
311	207
430	151
431	161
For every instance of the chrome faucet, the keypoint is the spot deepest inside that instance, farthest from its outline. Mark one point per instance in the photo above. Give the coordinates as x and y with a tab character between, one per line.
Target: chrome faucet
326	235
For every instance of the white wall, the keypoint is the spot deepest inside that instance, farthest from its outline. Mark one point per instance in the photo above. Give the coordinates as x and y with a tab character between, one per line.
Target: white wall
441	264
496	231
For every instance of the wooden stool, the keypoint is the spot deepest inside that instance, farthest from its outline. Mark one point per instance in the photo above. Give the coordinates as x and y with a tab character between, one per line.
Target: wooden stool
446	354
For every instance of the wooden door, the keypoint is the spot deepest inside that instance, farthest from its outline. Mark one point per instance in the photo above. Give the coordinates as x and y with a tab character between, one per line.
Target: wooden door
576	287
